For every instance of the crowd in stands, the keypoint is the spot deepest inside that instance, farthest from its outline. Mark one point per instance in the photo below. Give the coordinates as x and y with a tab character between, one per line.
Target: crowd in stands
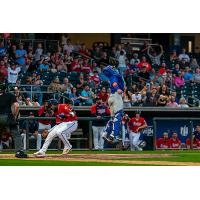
153	77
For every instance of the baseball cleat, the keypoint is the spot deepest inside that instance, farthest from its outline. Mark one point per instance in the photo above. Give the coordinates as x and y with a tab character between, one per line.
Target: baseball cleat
39	154
66	151
21	154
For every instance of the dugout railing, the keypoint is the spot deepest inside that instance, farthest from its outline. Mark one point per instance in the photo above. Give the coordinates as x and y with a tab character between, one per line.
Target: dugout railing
190	124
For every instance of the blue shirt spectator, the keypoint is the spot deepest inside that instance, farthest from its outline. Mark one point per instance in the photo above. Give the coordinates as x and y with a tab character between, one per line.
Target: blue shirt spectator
20	55
188	74
87	96
43	67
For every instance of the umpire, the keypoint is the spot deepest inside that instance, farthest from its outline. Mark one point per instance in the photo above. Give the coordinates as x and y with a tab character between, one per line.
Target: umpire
9	113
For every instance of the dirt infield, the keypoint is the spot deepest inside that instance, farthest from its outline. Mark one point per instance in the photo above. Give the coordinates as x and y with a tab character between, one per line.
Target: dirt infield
109	158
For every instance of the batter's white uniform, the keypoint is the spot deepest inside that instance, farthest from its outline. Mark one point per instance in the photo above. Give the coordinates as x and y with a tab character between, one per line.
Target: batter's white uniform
63	131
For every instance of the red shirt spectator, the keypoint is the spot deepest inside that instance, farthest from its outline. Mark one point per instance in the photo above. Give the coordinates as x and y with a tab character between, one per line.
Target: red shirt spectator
103	95
163	142
144	62
175	143
196	143
86	68
75	66
3	71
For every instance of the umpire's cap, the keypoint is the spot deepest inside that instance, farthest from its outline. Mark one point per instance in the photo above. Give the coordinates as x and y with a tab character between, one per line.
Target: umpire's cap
52	102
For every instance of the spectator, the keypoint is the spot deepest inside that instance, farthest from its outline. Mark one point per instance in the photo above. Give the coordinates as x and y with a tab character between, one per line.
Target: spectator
136	98
44	65
196	76
183	103
188	75
38	52
151	97
163	96
68	59
183	64
61	66
35	102
103	95
184	56
66	86
164	142
179	80
122	62
104	58
28	102
194	64
172	102
68	47
144	76
96	53
13	72
37	82
12	53
83	50
75	97
99	110
144	48
20	55
86	67
176	69
145	63
127	98
195	143
3	71
94	79
87	96
155	58
174	141
173	56
75	66
80	82
134	59
54	88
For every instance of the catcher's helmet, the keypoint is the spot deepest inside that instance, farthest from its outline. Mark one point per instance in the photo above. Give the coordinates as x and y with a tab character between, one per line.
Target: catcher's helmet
52	102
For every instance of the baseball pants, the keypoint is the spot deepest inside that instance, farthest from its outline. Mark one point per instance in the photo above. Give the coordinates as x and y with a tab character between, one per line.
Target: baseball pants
98	141
134	140
63	131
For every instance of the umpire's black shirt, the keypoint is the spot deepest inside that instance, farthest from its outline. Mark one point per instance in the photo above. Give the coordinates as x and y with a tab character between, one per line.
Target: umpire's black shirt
6	100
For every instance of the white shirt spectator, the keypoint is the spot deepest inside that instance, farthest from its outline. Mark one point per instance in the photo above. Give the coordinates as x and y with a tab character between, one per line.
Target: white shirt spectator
136	97
13	74
38	53
184	56
133	60
69	48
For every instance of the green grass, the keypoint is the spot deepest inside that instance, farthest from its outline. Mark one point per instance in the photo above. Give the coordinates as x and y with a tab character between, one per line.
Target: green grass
19	162
177	156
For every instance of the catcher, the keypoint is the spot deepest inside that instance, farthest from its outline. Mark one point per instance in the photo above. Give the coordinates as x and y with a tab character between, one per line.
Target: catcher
66	123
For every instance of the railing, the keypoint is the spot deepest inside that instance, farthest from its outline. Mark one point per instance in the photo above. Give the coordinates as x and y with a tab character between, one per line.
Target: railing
48	45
